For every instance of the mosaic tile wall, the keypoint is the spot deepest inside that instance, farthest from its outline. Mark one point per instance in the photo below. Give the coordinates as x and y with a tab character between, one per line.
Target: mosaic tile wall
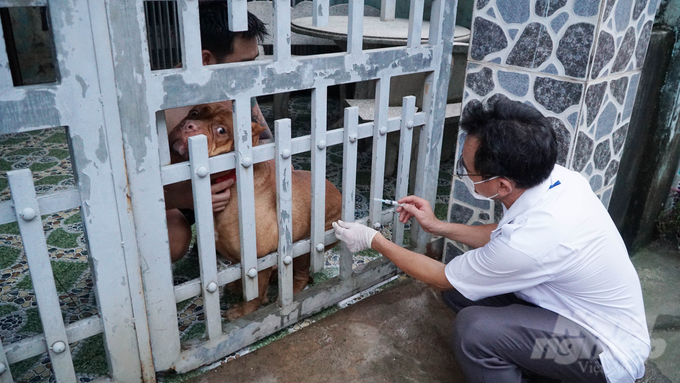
576	61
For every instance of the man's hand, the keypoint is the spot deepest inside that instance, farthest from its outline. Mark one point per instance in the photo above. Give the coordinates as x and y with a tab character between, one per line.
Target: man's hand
421	210
356	236
180	196
221	194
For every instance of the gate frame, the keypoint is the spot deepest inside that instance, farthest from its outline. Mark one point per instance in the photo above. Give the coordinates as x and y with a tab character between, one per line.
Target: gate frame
143	97
76	100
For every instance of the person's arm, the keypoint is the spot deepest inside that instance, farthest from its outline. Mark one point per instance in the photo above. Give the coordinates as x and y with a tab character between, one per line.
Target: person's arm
419	266
358	237
474	236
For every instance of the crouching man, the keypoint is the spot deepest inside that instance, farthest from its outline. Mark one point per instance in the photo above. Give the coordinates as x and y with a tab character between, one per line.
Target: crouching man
550	289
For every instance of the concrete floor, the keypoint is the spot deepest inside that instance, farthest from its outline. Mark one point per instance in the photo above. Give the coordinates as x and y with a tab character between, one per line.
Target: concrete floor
402	335
658	267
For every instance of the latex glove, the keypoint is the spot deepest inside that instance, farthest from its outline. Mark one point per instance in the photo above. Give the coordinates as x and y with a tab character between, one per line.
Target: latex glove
356	236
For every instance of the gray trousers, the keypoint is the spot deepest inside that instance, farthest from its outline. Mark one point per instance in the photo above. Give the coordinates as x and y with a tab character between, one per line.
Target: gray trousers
505	339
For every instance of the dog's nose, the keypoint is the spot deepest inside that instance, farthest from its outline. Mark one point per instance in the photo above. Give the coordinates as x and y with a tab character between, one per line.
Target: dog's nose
190	126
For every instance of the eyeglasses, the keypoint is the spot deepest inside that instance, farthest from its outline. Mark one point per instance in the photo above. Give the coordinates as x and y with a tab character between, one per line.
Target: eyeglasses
461	170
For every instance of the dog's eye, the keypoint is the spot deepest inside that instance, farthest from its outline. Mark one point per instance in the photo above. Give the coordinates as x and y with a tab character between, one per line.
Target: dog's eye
193	113
221	130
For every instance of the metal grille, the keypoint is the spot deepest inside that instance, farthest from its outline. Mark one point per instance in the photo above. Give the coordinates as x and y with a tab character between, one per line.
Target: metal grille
142	102
118	139
163	38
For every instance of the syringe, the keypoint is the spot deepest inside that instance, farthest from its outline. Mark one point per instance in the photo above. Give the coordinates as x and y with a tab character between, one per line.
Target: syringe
389	202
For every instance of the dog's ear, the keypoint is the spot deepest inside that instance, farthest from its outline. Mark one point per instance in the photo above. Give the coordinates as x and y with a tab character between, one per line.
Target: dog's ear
257	129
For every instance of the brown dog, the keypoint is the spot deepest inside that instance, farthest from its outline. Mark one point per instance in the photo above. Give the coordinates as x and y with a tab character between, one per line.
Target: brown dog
215	121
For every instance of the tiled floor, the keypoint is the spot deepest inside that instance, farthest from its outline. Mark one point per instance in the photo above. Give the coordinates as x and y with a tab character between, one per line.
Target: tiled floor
46	154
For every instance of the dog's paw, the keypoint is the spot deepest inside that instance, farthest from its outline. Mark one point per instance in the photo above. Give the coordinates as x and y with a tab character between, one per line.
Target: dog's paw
240	309
234	313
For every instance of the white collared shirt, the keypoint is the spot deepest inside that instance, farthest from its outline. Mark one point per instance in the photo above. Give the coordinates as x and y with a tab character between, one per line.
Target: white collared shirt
558	248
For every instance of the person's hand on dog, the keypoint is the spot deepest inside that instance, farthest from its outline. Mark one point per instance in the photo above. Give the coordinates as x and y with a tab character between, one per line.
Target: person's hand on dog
420	209
221	194
356	236
180	196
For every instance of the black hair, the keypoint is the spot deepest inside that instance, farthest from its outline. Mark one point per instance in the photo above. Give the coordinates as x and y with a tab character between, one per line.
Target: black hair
215	34
515	141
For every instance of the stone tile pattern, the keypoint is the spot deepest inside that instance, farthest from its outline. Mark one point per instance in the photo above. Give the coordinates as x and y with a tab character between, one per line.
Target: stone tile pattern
602	131
623	36
578	62
546	36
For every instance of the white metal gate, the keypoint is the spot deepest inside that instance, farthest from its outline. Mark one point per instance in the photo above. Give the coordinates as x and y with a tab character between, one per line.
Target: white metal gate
81	100
112	103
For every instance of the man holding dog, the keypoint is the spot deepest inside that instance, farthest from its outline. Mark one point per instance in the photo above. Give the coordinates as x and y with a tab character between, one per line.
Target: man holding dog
219	45
547	291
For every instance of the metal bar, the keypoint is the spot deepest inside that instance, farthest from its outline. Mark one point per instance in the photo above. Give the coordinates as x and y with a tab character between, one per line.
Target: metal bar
208	85
415	23
123	368
191	34
165	43
282	34
22	3
180	172
163	145
284	209
157	30
176	51
272	318
192	288
437	19
320	13
405	141
382	98
97	179
205	233
6	81
318	148
387	9
238	15
36	345
442	24
355	28
35	246
48	203
149	17
5	373
144	191
349	180
246	197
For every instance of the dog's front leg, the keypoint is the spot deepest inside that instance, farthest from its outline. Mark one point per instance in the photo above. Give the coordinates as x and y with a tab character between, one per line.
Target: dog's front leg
245	308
